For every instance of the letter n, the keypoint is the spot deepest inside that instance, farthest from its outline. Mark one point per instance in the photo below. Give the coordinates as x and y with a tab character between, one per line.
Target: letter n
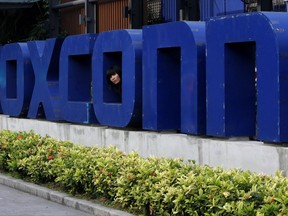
174	77
247	74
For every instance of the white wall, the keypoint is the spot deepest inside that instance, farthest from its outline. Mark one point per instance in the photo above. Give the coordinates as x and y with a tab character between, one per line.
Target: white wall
228	153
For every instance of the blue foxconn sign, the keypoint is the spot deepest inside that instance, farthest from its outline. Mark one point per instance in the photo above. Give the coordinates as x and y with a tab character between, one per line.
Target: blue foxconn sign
224	77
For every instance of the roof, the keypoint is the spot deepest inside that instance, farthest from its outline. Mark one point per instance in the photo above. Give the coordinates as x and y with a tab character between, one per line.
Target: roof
15	4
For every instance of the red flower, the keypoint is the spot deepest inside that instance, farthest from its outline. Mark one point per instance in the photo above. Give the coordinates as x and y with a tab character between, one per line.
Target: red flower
100	170
50	157
130	177
19	137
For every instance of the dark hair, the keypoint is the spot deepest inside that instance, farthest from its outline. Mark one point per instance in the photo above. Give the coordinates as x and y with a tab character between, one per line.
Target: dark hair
112	71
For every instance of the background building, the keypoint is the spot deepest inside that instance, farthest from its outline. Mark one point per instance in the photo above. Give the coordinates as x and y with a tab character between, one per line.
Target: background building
23	20
94	16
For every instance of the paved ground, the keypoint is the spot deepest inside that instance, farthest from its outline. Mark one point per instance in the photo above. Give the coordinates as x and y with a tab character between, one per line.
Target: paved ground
18	203
20	198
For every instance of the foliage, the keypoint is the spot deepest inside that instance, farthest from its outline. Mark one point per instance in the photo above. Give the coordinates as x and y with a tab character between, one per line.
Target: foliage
40	30
151	186
25	24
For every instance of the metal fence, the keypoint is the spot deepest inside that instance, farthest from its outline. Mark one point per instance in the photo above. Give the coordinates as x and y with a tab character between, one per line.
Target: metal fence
154	12
280	5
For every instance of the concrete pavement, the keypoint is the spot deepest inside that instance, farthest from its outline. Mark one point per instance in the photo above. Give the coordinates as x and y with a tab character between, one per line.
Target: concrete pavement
19	198
18	203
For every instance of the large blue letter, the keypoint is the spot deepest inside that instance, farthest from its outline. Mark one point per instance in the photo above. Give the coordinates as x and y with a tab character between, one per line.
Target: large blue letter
0	78
249	47
16	79
45	100
124	49
76	78
174	77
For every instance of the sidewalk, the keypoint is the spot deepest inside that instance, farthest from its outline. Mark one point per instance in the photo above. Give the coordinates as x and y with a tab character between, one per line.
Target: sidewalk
36	201
17	203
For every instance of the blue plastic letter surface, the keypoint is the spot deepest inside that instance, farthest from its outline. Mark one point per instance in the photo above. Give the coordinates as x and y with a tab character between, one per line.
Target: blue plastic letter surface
118	106
45	102
17	79
174	77
76	78
246	76
0	93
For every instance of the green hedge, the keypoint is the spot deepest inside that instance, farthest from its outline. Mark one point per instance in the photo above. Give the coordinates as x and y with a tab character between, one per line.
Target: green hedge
151	186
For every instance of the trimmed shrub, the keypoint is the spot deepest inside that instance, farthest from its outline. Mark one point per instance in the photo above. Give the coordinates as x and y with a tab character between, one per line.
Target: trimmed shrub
148	186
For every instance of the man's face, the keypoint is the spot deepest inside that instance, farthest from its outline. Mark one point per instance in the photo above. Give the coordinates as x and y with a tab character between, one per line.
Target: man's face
115	79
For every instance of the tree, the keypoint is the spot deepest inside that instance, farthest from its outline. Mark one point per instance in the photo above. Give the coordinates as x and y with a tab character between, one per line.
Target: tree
24	24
